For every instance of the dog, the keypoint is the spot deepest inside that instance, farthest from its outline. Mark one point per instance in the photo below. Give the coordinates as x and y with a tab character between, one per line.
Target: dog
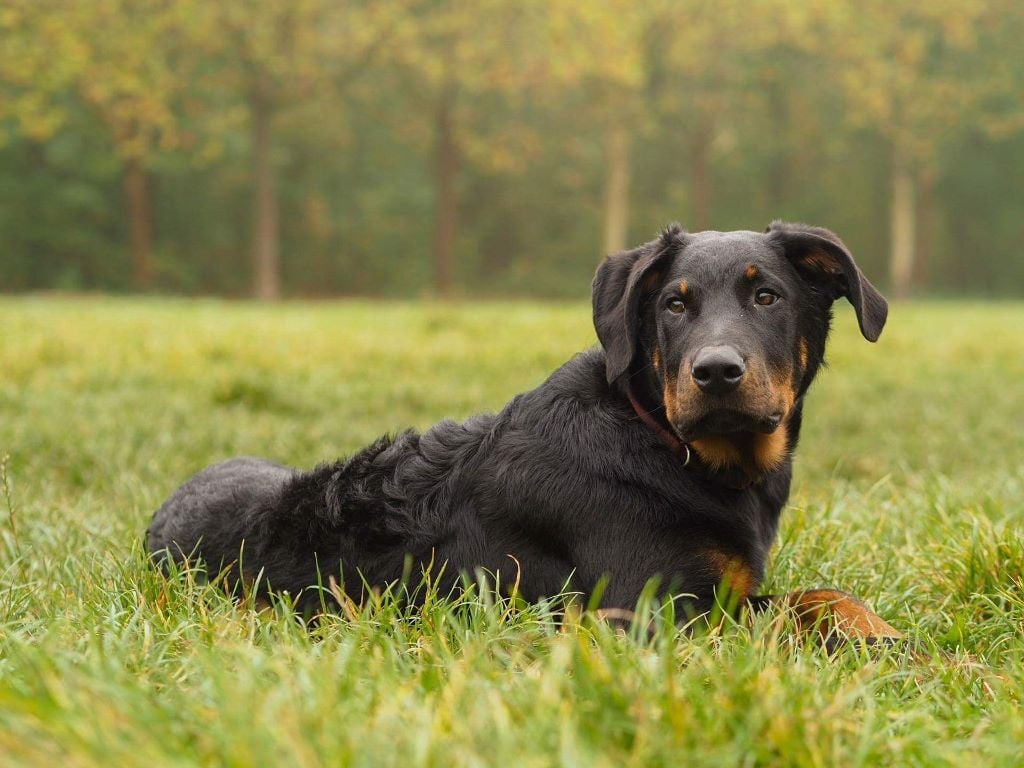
665	453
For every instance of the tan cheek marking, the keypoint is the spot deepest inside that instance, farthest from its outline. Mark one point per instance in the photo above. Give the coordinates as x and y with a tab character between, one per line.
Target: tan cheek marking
669	397
717	452
656	359
751	272
804	354
767	452
763	391
783	384
830	609
770	450
758	392
734	574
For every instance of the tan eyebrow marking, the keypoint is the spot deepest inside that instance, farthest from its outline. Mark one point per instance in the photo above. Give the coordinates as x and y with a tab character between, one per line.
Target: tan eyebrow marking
684	287
751	272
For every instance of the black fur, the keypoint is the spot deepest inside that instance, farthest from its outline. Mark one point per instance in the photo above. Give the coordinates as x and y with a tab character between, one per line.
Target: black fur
567	485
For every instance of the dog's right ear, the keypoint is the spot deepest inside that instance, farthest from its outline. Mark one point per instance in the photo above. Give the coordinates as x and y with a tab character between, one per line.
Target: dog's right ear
620	283
822	258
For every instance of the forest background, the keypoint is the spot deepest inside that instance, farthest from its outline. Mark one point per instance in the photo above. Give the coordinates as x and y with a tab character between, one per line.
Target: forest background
496	147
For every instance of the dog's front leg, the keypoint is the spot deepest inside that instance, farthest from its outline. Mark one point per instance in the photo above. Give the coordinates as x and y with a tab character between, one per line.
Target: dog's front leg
833	615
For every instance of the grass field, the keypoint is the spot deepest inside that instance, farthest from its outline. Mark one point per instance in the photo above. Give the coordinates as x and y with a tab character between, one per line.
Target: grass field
909	492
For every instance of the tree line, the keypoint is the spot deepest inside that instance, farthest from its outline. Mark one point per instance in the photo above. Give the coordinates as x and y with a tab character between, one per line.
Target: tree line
408	147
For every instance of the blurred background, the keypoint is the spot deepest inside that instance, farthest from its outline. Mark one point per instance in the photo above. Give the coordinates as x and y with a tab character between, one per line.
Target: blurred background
498	147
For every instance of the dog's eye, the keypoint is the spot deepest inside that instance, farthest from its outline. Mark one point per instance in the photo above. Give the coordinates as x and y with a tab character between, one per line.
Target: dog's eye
675	305
765	298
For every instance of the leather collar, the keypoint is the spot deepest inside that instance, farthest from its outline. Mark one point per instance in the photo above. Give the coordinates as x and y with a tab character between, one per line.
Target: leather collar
733	477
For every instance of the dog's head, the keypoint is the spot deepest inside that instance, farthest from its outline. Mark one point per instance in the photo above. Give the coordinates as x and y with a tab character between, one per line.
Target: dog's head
726	330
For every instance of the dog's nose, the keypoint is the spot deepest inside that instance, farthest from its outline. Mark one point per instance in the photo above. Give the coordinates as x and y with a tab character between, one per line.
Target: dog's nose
718	370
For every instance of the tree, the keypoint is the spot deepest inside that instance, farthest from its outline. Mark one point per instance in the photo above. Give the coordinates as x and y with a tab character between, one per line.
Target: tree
461	53
911	72
124	62
713	63
602	48
270	56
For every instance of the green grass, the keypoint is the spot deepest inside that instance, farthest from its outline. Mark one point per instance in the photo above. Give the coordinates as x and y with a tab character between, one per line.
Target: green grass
909	492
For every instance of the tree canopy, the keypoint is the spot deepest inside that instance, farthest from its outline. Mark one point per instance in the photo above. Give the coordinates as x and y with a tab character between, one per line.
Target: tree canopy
317	147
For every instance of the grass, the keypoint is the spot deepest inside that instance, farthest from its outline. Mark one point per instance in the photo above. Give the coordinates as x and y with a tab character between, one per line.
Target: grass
909	493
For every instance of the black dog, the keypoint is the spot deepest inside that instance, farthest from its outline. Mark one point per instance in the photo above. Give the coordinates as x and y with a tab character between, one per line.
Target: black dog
665	454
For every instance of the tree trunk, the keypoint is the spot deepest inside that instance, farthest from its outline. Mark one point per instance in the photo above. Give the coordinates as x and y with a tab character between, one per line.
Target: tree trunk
616	198
901	265
140	222
700	175
446	202
924	226
266	261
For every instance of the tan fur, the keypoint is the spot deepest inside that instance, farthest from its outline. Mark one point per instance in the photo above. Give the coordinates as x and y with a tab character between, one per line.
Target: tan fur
734	573
684	287
770	450
717	451
829	610
782	384
760	391
656	359
821	261
804	354
670	396
751	272
756	452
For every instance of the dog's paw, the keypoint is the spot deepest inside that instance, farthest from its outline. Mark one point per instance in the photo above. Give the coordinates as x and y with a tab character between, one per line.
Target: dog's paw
838	617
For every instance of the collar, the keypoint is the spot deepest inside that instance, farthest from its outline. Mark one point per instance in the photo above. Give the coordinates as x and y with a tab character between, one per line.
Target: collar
677	446
734	478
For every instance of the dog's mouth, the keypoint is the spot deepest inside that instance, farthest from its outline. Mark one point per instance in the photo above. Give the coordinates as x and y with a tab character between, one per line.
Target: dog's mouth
728	421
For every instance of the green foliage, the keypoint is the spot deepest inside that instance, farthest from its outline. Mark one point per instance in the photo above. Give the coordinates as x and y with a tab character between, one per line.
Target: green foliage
561	117
907	493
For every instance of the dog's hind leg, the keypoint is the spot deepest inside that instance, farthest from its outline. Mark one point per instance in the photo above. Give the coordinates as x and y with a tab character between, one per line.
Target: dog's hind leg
210	517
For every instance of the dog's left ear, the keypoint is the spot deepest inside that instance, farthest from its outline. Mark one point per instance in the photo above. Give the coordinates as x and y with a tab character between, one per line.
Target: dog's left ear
821	257
619	285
